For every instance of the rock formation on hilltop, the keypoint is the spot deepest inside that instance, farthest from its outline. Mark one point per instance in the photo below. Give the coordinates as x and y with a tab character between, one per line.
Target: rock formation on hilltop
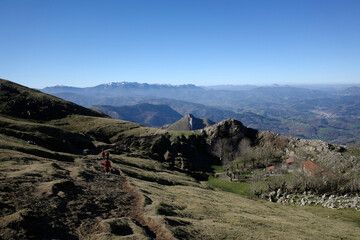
229	129
188	123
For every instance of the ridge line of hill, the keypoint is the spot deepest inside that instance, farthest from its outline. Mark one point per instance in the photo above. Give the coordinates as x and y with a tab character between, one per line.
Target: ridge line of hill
23	102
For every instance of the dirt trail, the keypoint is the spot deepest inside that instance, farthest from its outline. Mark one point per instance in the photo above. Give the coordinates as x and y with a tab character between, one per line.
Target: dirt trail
76	201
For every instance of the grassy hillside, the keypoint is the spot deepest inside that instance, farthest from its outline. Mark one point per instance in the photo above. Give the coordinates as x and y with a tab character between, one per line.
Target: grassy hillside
23	102
159	186
143	198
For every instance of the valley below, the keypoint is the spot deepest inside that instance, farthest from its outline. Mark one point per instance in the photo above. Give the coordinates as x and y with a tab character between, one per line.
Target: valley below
328	113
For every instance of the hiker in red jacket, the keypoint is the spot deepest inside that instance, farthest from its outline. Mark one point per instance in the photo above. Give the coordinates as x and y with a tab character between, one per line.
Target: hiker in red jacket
103	154
107	165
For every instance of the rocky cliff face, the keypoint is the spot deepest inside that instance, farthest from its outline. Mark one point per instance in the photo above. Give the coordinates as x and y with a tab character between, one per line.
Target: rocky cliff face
232	130
192	151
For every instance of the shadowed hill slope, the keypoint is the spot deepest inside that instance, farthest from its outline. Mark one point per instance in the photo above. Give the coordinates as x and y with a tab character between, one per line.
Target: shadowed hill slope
23	102
145	114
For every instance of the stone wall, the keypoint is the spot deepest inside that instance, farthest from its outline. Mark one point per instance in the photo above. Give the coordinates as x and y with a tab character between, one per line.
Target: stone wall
307	198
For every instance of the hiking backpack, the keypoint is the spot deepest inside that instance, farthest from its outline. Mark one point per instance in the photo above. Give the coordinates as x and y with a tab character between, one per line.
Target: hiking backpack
107	163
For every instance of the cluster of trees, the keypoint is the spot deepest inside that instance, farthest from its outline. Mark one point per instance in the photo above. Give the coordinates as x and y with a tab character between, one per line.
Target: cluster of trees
244	155
301	181
340	173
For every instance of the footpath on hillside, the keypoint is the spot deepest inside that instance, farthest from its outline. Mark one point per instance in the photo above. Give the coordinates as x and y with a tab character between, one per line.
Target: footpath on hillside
74	201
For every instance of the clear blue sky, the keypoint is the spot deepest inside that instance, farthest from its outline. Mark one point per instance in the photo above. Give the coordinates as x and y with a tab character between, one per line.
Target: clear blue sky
85	43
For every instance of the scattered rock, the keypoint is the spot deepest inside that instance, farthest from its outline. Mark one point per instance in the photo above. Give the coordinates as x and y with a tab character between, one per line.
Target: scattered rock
332	202
32	142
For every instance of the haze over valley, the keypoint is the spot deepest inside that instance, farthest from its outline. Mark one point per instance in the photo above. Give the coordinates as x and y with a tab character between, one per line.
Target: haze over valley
327	113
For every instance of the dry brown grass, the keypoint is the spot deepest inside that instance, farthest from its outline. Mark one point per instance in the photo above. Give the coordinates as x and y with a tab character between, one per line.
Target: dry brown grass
199	212
138	214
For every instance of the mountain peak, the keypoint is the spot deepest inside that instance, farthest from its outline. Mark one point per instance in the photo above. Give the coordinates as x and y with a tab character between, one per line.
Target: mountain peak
354	90
190	122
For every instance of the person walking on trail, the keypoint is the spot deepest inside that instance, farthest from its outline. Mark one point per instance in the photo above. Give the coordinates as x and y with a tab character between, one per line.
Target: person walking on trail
107	165
103	154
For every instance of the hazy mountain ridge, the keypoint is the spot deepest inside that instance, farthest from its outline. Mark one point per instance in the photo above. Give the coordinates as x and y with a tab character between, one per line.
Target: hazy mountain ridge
182	107
288	110
128	89
354	90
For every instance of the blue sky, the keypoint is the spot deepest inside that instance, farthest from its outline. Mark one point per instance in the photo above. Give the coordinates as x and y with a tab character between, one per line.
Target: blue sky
85	43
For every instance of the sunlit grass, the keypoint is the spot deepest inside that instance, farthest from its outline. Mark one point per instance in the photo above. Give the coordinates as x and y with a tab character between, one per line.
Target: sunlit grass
348	215
218	169
240	188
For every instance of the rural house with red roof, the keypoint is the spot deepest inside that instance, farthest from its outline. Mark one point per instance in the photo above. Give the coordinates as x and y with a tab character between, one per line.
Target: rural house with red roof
312	168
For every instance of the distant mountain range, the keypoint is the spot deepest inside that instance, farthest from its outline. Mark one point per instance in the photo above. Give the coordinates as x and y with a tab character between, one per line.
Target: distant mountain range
326	113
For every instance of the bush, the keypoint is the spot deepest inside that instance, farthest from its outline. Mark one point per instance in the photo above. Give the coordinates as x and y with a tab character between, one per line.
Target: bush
257	188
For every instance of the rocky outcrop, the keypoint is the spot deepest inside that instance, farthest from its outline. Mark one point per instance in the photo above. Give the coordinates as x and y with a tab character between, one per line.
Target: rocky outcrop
228	133
313	146
307	198
188	123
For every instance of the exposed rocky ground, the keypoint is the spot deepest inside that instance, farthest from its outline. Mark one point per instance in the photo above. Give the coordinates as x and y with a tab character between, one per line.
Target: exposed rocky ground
327	201
75	201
